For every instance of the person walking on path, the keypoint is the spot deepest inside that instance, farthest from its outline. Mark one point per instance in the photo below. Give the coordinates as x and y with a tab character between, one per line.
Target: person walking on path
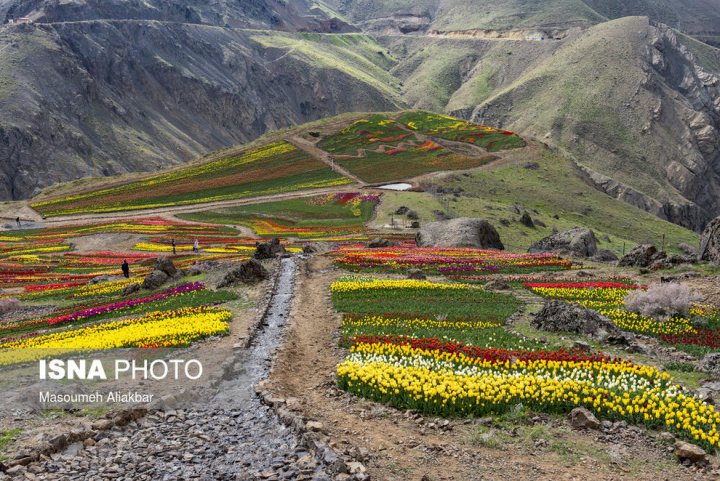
126	269
196	246
17	220
173	246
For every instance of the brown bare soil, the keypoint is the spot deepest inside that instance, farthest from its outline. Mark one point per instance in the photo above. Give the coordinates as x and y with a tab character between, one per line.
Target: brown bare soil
405	446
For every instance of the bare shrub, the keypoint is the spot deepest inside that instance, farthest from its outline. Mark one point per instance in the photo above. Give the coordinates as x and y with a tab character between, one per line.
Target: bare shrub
8	305
662	300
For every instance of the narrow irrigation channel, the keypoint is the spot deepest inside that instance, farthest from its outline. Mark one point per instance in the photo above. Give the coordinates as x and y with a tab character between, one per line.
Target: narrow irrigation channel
233	436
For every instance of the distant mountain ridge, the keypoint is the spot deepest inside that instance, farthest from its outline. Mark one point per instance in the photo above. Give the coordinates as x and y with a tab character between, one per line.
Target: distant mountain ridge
101	87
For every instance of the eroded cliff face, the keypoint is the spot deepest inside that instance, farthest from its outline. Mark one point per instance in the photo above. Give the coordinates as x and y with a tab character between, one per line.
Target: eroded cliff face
102	97
633	105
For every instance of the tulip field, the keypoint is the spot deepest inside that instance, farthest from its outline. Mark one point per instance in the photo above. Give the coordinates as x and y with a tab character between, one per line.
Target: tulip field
459	263
380	149
270	169
441	348
607	299
340	214
66	312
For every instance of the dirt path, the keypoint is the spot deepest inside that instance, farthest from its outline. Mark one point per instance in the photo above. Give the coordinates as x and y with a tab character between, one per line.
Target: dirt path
323	156
399	446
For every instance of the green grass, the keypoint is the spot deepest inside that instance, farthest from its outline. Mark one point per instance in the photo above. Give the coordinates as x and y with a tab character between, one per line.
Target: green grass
271	169
492	193
427	303
7	438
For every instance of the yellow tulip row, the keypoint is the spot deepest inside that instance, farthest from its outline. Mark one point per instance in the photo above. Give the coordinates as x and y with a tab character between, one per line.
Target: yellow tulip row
445	391
178	327
103	289
382	284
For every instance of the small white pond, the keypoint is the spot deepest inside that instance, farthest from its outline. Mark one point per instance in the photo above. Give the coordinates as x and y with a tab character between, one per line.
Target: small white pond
401	186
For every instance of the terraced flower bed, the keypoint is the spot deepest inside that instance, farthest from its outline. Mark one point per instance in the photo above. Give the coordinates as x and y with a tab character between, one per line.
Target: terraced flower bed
271	169
450	128
380	149
452	262
174	328
319	216
441	349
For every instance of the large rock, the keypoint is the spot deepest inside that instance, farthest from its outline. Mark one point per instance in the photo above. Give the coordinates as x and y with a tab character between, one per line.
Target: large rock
460	232
318	248
581	418
380	243
155	279
710	245
164	264
710	364
643	256
269	250
690	452
416	274
604	255
560	316
248	272
578	242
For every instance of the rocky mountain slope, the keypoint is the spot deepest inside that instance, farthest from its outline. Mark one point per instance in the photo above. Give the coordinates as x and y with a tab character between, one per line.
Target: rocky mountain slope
96	88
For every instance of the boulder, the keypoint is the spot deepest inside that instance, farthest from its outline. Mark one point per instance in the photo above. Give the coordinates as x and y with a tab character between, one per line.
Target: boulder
581	418
8	305
269	250
155	279
101	279
604	255
416	274
710	245
248	272
688	451
318	248
379	243
498	285
460	232
710	364
578	242
412	215
164	264
401	210
560	316
688	249
131	289
641	256
526	220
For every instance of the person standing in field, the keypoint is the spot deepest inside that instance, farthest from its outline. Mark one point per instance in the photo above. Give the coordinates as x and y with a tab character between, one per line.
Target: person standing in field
17	219
126	269
173	246
196	246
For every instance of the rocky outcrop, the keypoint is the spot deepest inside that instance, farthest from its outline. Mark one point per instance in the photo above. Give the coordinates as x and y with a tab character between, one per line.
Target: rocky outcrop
163	271
460	232
560	316
379	243
710	245
416	274
249	272
269	250
578	242
641	256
